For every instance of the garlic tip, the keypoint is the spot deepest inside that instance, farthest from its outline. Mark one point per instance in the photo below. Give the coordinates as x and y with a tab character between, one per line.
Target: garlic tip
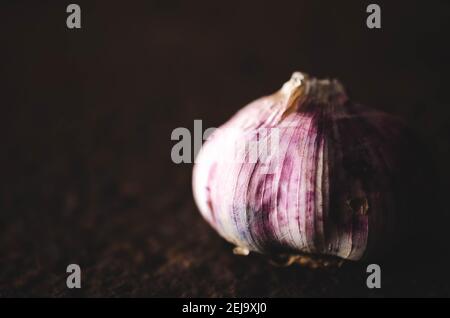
295	82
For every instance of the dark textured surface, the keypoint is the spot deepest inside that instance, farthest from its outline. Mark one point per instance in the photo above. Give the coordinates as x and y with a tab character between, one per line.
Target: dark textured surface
85	168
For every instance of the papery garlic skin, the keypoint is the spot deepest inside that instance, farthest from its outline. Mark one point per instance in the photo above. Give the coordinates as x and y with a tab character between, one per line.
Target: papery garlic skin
328	189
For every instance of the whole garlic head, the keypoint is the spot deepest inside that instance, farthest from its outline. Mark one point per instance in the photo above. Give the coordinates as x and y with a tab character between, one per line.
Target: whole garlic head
304	171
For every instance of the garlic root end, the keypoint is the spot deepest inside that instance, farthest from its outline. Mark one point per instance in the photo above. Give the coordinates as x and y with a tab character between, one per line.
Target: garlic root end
238	250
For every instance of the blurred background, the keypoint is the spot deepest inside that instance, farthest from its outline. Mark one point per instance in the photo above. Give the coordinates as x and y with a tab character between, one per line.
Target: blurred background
86	116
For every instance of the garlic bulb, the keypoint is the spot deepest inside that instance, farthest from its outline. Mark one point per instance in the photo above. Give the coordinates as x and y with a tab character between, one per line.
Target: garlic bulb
304	171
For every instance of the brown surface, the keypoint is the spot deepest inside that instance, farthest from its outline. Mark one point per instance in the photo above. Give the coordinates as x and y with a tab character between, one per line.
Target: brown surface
85	134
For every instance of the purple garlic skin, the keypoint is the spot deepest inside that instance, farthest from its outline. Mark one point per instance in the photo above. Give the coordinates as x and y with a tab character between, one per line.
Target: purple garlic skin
329	186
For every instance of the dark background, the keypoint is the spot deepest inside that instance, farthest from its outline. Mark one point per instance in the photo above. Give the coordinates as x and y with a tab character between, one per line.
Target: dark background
86	118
